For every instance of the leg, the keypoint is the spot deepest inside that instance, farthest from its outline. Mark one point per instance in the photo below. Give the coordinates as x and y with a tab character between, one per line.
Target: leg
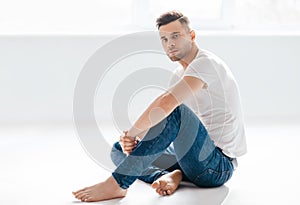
164	173
103	191
192	145
199	160
202	162
136	163
106	190
152	173
168	162
155	142
150	148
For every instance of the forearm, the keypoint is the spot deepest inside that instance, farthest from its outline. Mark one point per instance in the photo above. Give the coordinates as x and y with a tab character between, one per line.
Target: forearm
159	109
165	104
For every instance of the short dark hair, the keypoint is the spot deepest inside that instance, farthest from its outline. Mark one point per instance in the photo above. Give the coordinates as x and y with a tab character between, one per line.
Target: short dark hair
171	16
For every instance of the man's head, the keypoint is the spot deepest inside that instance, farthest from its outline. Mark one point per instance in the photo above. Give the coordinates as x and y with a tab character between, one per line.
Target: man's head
176	36
172	16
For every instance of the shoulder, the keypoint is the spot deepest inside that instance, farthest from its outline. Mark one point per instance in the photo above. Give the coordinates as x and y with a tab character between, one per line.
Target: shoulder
204	56
205	60
205	67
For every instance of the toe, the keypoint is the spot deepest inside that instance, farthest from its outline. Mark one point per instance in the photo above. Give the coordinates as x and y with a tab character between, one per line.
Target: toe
76	192
85	197
155	184
89	199
159	190
81	195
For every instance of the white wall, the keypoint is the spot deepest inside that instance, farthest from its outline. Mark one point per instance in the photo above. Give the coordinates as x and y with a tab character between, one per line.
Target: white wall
38	73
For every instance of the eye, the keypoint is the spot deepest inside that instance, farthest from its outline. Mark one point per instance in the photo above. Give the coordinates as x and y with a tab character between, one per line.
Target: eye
175	36
164	40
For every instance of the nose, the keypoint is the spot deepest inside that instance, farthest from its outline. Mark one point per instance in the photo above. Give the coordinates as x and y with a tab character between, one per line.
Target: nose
171	44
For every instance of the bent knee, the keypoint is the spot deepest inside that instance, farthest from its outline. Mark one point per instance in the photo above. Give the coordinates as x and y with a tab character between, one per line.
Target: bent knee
117	146
117	154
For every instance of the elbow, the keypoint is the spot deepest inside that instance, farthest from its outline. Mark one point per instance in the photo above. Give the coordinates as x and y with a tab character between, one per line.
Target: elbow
168	102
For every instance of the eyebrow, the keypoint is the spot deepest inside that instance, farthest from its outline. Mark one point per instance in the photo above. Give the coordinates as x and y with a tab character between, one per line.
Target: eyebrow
176	32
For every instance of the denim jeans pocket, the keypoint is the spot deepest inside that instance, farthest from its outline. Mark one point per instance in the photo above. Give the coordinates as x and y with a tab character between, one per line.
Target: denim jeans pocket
212	178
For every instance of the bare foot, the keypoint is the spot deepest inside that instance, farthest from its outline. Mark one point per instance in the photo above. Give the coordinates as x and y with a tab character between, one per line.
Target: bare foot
106	190
168	183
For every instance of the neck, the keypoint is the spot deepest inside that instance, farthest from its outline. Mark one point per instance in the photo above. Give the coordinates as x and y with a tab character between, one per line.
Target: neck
189	58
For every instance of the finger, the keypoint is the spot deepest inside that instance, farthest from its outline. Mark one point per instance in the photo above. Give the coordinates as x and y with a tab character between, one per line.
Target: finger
127	139
126	144
124	136
127	152
129	144
128	147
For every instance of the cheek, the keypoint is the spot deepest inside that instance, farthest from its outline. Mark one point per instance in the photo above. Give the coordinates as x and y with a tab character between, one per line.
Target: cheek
186	45
182	43
164	45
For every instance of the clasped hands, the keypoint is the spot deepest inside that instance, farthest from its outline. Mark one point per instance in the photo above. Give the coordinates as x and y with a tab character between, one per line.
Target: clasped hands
128	143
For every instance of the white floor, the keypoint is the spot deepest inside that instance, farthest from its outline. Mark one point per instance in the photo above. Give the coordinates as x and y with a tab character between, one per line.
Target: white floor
42	165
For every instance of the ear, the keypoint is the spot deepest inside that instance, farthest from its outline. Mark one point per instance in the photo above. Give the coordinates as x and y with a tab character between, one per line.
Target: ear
193	35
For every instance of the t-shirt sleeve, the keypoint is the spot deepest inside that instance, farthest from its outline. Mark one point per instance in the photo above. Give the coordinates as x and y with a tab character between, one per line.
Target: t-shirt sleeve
204	69
175	77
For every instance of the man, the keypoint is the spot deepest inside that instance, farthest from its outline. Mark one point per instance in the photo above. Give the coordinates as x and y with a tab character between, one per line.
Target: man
193	132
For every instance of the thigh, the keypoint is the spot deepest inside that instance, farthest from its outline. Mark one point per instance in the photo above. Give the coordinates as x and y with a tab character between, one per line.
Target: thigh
193	143
196	153
193	139
218	171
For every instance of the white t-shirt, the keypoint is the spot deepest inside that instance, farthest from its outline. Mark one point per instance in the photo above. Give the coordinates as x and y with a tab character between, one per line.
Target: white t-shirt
218	104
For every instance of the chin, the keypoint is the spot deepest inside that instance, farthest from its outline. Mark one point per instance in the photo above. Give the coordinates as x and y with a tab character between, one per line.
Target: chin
174	58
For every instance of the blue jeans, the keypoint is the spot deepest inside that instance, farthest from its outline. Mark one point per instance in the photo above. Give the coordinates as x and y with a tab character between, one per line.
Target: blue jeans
194	153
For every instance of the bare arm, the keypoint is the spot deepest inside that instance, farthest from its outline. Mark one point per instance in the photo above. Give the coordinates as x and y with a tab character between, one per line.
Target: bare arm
163	105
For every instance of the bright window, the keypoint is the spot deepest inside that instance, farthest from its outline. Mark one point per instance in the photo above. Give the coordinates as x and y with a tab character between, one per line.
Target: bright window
201	12
64	16
268	14
118	16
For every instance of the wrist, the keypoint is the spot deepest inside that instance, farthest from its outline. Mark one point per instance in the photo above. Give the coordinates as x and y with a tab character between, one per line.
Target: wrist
133	132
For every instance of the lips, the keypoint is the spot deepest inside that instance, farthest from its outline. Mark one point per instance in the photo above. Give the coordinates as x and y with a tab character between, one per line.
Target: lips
172	52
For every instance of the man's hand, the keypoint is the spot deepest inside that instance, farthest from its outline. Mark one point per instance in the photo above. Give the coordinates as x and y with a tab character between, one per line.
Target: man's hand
127	143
